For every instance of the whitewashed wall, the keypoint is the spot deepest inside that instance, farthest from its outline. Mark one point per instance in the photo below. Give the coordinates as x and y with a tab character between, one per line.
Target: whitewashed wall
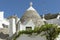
12	26
1	18
28	24
5	21
1	15
1	24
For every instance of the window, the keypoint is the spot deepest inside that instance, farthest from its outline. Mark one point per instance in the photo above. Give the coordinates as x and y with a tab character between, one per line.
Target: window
28	28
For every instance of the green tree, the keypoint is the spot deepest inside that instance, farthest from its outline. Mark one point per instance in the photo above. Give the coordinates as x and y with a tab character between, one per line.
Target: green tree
50	31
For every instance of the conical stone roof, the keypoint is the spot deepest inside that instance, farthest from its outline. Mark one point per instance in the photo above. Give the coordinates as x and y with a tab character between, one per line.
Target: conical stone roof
31	13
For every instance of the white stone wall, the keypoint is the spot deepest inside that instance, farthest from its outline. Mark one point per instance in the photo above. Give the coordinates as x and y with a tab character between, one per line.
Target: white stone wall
28	24
12	26
5	21
1	15
1	18
1	24
22	27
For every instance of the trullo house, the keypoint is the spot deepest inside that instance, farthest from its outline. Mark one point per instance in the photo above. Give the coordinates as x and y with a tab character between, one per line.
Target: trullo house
31	19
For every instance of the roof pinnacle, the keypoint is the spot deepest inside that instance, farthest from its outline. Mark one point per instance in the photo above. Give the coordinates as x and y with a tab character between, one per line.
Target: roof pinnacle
31	8
31	4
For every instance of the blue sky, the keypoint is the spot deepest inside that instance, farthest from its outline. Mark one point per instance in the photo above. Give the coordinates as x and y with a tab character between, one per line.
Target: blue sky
18	7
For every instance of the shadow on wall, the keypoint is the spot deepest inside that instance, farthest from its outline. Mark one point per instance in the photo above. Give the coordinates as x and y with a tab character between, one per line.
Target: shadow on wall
3	36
